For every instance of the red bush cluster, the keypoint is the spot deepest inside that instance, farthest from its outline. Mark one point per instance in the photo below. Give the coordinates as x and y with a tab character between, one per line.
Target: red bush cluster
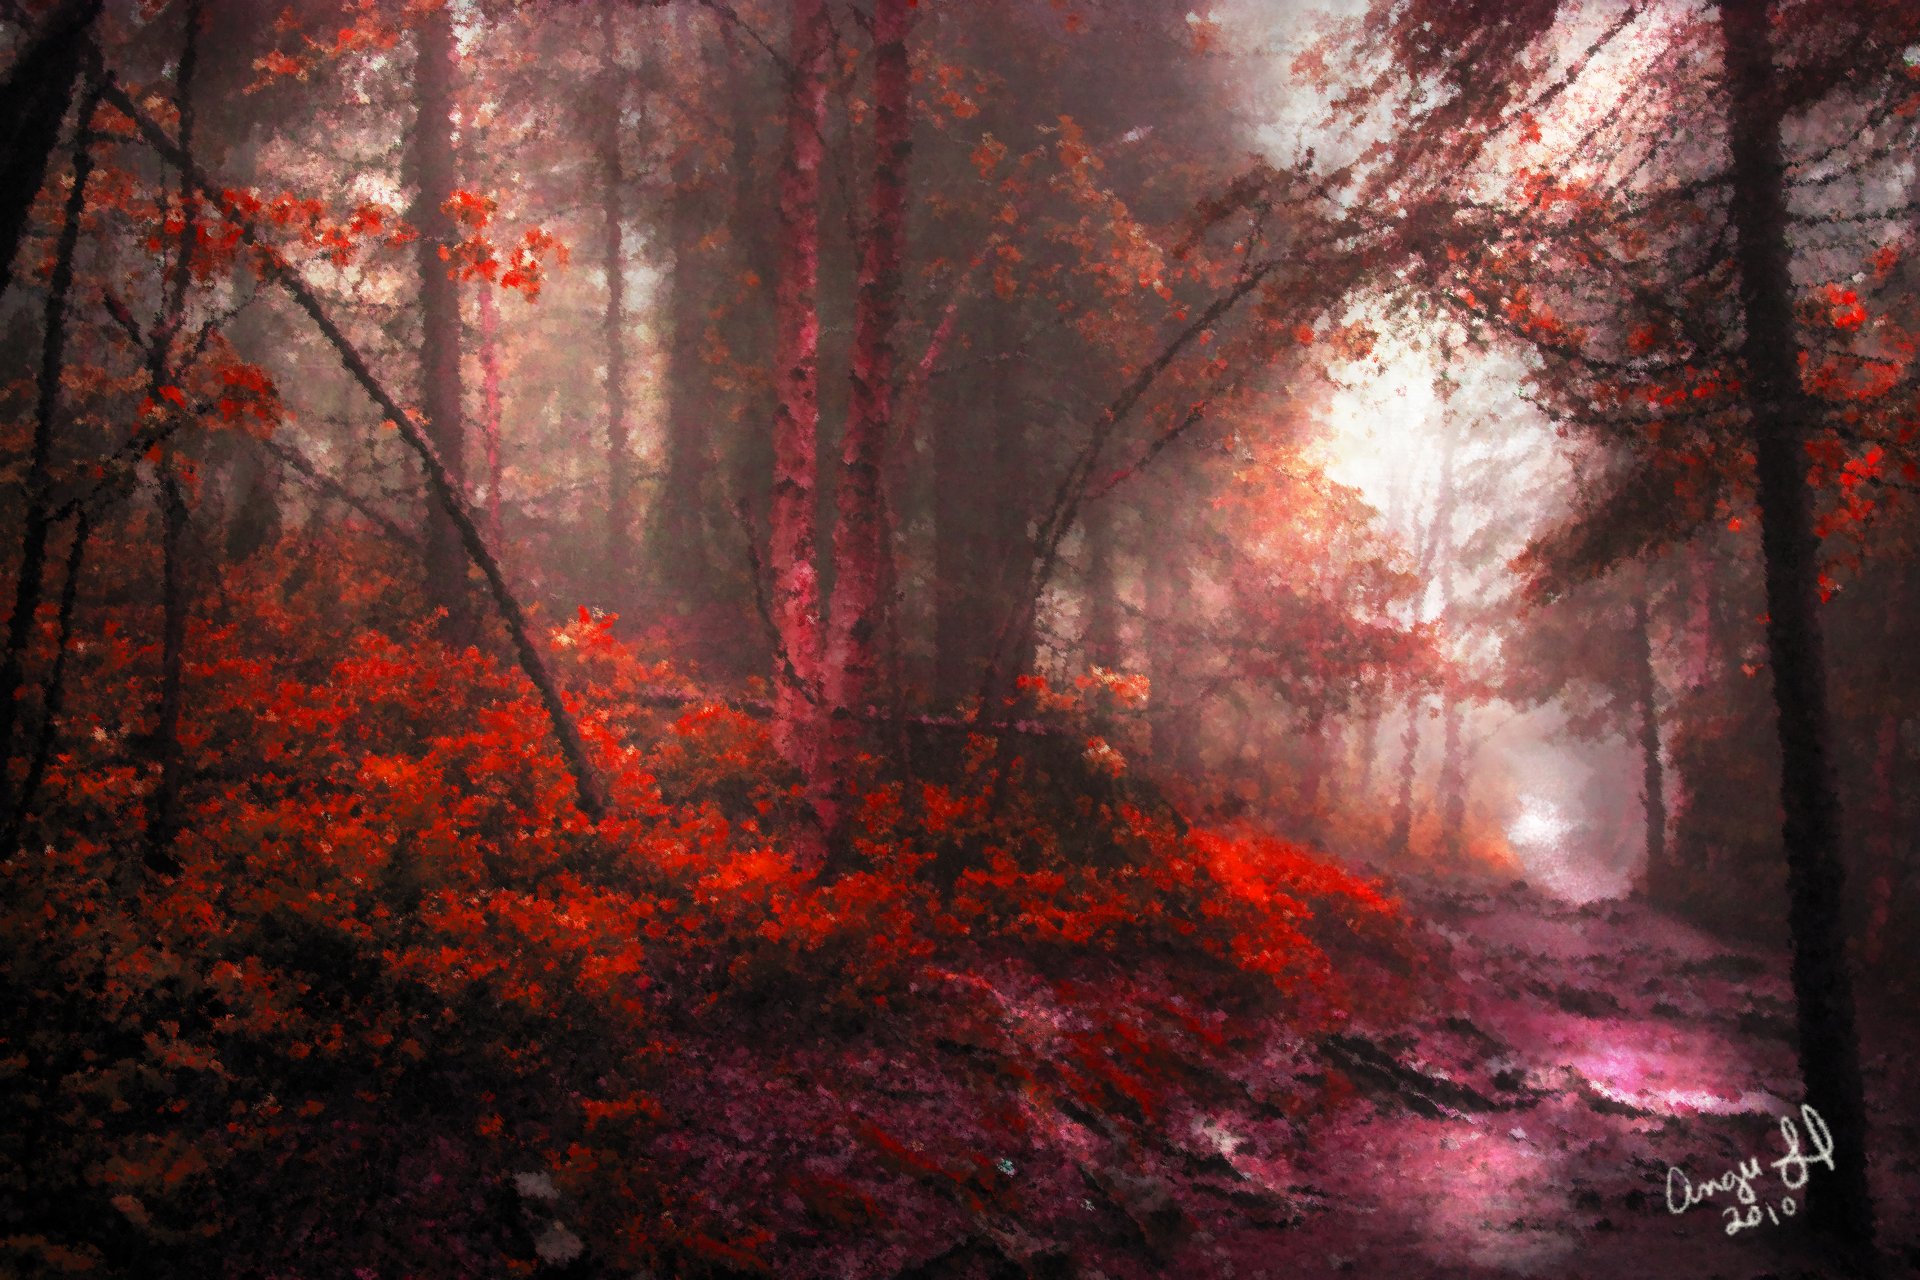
398	970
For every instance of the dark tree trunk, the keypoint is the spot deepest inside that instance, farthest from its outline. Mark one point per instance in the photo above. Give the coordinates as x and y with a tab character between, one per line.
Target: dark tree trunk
33	103
1883	839
1653	790
163	802
53	357
440	392
1840	1204
54	698
986	464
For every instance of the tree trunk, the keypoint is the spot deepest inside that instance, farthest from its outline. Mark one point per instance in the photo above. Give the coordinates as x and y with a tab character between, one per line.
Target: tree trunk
614	323
1883	840
1401	840
863	538
54	698
1653	793
163	802
53	357
33	104
1441	551
1453	774
440	393
1841	1205
1100	632
792	555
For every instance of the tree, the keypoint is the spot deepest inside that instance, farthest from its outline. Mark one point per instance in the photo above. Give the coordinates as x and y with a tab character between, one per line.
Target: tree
1770	359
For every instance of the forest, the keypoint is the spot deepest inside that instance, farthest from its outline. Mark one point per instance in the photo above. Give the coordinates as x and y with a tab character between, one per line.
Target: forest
959	639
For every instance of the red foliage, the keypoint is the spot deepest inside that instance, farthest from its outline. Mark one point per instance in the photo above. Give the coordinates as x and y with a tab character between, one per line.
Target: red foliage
397	967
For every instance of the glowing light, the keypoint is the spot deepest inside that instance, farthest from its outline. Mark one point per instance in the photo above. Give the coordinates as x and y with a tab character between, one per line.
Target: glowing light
1539	823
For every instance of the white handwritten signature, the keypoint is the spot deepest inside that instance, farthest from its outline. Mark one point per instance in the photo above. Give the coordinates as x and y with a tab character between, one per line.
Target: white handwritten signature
1794	1169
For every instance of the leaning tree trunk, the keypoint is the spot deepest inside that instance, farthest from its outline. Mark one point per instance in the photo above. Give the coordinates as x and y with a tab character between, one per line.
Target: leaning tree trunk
1841	1204
442	488
792	554
440	393
863	539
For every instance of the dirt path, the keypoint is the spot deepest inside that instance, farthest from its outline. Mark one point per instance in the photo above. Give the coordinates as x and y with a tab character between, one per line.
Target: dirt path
1527	1127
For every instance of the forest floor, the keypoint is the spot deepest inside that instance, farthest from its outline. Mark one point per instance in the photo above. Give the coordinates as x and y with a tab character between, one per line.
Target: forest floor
1525	1122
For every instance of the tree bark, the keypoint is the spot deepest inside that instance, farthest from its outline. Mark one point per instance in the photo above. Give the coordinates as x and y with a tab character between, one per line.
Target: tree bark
1653	792
163	802
433	172
1840	1205
863	537
33	104
53	353
792	552
53	700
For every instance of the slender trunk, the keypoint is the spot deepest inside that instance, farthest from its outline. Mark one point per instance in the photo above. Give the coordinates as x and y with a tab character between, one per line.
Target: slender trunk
53	355
490	406
1369	751
614	330
1100	635
1401	840
433	171
1453	774
792	554
1376	713
33	104
163	802
1169	595
1442	553
1332	752
1313	779
54	699
1841	1204
1653	795
863	537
